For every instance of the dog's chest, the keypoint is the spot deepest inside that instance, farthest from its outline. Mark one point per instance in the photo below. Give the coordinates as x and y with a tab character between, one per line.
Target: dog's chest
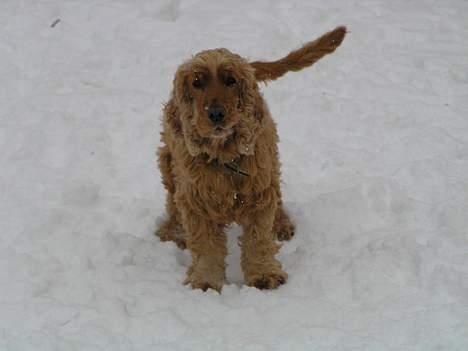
222	188
222	192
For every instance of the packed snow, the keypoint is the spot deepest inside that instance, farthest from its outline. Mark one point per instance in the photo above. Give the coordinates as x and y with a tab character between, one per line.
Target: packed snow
374	147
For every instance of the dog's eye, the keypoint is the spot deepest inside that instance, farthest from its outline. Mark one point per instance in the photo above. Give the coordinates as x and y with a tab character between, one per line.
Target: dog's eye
230	81
197	83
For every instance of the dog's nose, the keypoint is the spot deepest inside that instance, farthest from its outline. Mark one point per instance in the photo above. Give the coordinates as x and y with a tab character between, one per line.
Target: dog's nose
216	114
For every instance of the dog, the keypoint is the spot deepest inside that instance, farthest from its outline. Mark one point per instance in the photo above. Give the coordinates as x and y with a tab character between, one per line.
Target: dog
219	163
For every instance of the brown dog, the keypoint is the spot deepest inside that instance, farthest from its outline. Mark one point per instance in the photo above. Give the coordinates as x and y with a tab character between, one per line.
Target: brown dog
219	163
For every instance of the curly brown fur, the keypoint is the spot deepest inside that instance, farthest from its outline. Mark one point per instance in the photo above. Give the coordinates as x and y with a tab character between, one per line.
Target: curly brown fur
216	117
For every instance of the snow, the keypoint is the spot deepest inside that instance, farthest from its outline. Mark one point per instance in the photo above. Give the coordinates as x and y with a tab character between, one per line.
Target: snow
374	146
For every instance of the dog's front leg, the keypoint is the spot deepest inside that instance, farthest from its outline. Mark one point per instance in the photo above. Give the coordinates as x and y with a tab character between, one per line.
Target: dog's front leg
207	243
261	268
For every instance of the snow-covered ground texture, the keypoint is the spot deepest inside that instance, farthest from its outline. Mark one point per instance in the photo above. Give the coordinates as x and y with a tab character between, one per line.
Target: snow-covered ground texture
374	146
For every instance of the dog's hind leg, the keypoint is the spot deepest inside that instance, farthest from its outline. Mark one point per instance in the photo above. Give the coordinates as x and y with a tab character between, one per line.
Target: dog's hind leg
171	228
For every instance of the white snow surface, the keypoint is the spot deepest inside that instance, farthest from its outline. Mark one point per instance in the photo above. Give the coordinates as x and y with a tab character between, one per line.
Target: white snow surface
374	147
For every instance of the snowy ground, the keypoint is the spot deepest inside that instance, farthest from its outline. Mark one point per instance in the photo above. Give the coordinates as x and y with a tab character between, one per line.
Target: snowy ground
375	163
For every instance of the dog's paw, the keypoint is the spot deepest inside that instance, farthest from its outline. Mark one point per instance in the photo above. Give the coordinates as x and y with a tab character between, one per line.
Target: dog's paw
268	280
212	279
171	230
283	227
285	232
203	285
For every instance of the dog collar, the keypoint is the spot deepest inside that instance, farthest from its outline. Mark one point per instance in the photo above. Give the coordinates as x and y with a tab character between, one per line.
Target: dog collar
234	167
231	167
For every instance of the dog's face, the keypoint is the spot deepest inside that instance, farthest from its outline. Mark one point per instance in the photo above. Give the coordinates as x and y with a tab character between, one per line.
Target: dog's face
217	90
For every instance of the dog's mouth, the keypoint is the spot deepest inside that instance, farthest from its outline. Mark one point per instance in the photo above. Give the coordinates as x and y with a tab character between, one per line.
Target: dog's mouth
220	132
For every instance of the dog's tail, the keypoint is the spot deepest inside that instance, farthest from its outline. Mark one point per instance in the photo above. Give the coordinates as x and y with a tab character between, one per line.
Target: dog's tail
301	58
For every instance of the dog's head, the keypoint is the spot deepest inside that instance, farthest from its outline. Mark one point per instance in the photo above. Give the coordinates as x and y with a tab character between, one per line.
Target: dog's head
217	107
217	96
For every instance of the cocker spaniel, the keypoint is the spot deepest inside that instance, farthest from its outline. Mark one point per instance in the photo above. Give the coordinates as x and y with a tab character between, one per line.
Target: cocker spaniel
219	163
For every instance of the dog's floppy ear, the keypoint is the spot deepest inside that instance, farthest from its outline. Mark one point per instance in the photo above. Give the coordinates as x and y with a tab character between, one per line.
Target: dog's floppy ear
259	110
247	89
251	105
181	89
180	103
242	95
